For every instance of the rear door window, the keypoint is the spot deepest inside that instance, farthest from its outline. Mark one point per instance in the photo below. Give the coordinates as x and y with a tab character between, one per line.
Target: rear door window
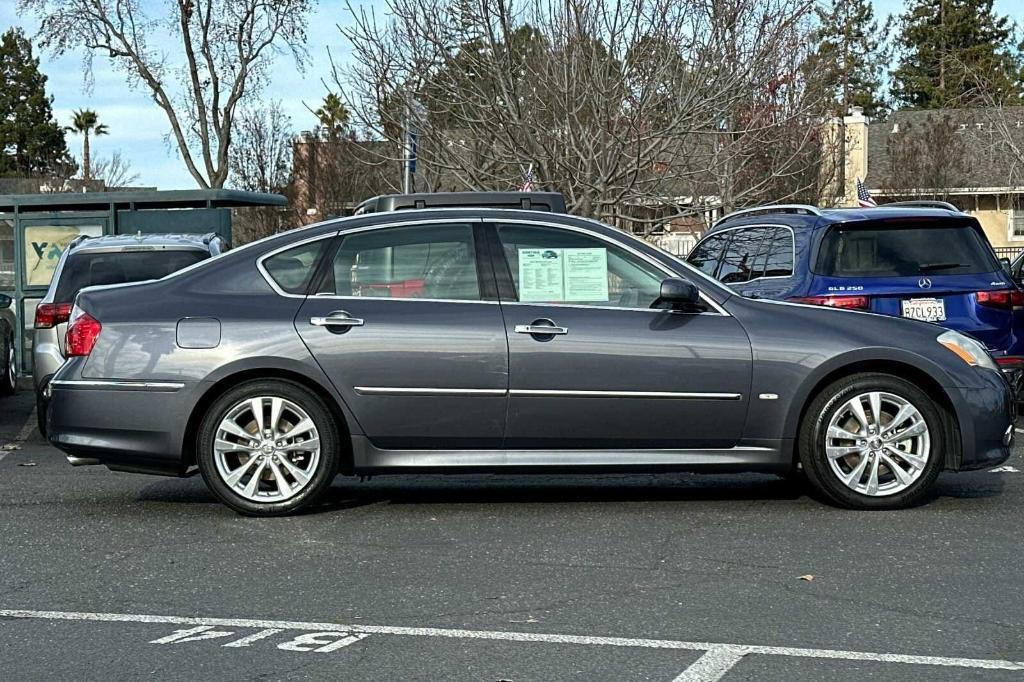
93	268
421	261
705	255
775	259
741	255
904	249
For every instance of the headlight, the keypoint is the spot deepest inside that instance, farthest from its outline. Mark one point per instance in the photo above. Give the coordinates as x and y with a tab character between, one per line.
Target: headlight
967	349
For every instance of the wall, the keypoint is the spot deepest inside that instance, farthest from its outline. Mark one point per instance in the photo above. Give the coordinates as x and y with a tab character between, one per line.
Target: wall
994	218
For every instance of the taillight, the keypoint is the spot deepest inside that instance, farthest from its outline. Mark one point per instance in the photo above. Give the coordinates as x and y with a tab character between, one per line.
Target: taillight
83	330
1003	298
1010	362
49	315
845	302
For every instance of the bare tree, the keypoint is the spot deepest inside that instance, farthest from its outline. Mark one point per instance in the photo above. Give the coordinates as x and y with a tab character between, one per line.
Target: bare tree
690	103
261	161
114	171
927	158
226	48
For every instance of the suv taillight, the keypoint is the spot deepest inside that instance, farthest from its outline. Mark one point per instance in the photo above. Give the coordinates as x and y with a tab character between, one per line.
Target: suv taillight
1003	298
83	330
49	315
846	302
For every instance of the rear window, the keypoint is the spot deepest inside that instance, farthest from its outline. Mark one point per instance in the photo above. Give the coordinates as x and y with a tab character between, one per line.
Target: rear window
904	250
86	269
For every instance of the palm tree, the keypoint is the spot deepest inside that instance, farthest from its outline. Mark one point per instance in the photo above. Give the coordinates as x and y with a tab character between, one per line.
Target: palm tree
86	122
333	114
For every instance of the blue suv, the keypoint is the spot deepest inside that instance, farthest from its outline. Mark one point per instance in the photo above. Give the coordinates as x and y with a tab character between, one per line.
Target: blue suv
922	260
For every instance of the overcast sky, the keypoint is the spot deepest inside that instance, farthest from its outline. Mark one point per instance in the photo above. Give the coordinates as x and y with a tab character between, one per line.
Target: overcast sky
138	128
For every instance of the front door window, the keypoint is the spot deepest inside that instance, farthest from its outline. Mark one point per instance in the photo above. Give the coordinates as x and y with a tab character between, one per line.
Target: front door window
562	266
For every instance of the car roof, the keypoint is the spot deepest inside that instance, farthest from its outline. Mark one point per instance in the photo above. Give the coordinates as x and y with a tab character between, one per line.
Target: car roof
170	240
826	217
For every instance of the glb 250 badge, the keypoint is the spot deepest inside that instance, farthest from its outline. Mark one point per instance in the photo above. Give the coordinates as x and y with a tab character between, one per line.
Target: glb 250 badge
854	287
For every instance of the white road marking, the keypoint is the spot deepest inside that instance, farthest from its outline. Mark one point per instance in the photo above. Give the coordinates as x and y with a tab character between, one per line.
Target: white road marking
987	664
314	641
192	635
26	429
255	637
713	665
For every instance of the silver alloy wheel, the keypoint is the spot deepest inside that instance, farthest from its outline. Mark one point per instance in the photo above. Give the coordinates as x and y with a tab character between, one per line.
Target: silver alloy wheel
877	443
266	449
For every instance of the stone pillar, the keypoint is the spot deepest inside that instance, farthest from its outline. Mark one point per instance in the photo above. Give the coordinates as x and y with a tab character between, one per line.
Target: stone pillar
856	162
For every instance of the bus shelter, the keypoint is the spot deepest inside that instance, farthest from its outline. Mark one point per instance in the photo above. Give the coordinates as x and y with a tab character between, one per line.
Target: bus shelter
36	228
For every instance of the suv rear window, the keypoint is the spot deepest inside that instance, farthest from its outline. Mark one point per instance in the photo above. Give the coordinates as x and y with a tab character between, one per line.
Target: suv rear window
86	269
904	250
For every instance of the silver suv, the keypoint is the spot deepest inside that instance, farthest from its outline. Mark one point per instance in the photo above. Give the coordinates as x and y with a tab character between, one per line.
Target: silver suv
96	261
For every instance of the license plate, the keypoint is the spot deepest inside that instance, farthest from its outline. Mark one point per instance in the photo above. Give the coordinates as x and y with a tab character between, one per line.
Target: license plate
924	309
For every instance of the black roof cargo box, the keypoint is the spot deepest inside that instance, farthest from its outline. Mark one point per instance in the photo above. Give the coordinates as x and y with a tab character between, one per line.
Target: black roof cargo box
552	202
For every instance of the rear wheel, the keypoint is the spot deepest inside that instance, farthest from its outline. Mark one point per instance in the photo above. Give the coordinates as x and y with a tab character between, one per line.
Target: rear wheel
873	441
268	448
8	366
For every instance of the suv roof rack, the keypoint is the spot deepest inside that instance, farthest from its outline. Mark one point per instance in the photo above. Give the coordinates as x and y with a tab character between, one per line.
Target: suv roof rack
78	240
921	203
767	210
552	202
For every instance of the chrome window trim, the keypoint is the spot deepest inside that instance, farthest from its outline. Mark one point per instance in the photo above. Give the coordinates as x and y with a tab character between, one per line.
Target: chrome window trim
471	220
639	254
610	307
365	228
792	243
170	386
332	297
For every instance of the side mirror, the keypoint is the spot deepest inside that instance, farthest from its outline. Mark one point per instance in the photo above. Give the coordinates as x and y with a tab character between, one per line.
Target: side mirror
678	292
5	301
1005	262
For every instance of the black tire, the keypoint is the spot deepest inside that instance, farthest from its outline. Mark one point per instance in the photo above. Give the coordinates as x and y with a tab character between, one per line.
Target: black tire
8	380
330	446
813	432
41	414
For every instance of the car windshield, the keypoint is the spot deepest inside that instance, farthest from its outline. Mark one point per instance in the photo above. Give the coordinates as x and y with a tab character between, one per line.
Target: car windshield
904	249
91	268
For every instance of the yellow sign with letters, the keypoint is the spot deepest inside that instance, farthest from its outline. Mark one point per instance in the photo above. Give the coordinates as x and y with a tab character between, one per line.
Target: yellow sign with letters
44	245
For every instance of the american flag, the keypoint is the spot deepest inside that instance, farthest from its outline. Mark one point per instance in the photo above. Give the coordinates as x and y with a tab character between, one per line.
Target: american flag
864	196
527	185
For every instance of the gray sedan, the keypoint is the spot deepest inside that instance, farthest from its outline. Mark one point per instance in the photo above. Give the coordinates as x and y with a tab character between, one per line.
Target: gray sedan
458	340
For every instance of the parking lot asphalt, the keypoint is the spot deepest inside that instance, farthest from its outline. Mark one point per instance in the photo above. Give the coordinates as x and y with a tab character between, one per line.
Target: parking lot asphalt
487	578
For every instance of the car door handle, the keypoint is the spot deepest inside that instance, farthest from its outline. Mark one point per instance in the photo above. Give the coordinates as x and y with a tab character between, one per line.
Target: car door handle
541	328
338	318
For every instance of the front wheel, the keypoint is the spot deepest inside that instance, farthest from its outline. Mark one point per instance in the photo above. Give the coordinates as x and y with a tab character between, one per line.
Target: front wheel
873	441
268	448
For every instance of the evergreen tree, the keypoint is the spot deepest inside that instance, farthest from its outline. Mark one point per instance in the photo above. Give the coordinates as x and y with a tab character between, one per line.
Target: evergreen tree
945	45
851	54
31	141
